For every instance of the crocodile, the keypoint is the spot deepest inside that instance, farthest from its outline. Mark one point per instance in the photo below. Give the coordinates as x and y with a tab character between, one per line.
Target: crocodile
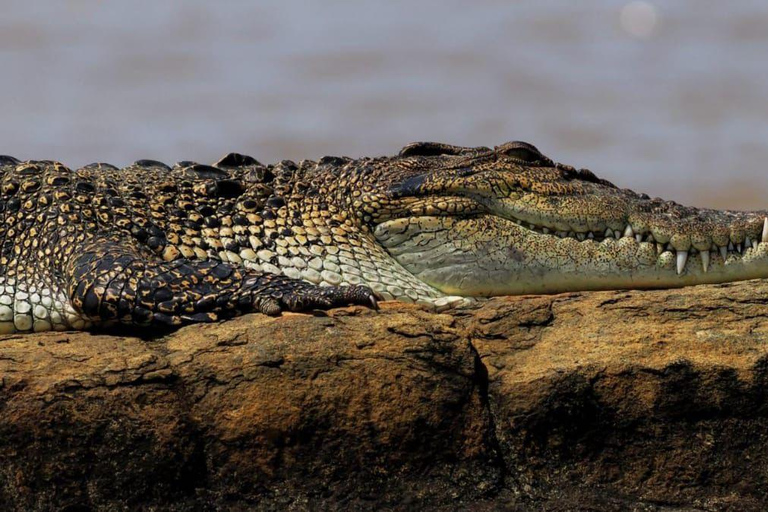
438	224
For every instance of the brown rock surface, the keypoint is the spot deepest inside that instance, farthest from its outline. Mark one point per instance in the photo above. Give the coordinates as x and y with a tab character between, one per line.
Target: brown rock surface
635	400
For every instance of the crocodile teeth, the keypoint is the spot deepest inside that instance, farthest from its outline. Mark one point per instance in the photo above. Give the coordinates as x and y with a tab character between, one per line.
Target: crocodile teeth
705	260
738	248
730	246
638	237
764	238
682	258
747	243
581	236
724	252
628	231
608	233
591	235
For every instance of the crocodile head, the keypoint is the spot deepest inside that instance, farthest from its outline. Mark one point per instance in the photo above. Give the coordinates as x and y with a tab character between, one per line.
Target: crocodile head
481	222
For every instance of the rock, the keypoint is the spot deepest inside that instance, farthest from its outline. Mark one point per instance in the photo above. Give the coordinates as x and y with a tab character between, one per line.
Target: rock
353	408
651	400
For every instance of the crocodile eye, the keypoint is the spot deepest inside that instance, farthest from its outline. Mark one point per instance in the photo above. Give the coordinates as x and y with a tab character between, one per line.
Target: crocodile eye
434	149
522	151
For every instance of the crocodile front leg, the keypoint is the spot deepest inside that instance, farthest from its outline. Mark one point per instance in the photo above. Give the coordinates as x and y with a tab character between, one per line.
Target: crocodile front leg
111	281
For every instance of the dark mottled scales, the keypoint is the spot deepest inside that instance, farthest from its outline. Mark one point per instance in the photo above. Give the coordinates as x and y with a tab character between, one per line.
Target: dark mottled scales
99	238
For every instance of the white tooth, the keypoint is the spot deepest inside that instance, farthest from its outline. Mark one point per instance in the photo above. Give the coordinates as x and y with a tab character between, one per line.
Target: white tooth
608	233
705	260
659	248
747	243
724	252
628	231
571	234
738	248
682	258
639	237
591	235
581	236
730	246
764	238
650	238
545	231
617	233
562	234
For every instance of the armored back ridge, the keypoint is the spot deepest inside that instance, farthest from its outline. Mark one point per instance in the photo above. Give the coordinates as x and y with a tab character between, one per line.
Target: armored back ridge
150	244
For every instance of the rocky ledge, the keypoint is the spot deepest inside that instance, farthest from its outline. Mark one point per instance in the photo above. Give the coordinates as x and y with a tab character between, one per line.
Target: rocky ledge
650	400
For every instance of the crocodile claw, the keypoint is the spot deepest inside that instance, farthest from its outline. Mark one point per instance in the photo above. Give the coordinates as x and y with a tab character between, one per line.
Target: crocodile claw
308	297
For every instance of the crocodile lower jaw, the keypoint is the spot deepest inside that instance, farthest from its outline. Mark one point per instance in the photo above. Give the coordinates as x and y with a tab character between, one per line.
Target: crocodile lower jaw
490	255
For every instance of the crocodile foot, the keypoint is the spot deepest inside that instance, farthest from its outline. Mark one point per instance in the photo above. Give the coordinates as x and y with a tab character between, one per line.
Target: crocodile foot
296	295
115	281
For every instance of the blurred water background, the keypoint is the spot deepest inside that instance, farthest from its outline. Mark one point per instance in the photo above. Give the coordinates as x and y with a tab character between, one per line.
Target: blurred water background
669	98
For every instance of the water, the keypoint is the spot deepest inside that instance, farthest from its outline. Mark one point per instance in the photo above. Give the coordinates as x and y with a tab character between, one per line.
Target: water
680	112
